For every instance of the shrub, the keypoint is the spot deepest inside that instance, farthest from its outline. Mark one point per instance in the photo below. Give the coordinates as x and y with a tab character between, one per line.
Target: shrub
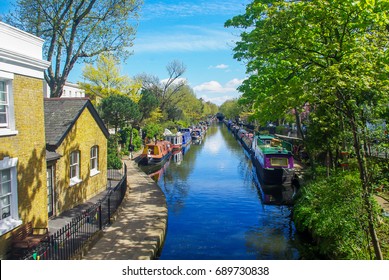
331	210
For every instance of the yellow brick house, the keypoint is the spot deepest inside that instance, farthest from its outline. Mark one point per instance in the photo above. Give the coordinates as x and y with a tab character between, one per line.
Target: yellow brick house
76	143
23	187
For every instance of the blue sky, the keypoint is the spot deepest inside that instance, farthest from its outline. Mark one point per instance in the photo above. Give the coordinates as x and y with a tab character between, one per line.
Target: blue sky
191	32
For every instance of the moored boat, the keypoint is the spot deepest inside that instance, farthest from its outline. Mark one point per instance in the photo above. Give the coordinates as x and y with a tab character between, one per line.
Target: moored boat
273	160
174	138
186	137
156	153
196	134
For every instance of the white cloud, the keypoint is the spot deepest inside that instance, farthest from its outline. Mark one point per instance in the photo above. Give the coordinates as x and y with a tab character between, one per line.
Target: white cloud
217	93
176	81
220	66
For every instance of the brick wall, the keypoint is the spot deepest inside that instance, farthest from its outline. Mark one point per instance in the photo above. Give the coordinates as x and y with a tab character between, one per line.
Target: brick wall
29	147
83	136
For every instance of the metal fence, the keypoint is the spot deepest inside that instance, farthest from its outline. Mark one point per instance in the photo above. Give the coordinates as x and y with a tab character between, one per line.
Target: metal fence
67	242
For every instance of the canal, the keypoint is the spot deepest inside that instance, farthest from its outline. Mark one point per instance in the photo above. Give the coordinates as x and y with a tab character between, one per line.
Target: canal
216	208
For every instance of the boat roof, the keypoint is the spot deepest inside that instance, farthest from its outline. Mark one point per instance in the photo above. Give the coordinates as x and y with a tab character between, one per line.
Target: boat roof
266	137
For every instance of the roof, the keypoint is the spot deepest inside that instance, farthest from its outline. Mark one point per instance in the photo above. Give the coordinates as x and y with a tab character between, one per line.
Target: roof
50	156
60	116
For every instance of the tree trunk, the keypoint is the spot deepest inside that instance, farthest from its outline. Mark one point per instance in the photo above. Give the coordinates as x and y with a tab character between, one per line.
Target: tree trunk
366	188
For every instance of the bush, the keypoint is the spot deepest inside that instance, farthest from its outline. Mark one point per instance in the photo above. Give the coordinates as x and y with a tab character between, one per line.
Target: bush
114	162
125	137
113	158
331	210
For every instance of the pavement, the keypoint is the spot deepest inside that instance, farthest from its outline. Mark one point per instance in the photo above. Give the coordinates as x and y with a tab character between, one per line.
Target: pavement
384	205
139	231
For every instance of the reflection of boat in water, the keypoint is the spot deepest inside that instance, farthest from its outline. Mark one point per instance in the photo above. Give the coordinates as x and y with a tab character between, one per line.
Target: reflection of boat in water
197	142
178	156
273	159
185	149
157	174
156	153
275	194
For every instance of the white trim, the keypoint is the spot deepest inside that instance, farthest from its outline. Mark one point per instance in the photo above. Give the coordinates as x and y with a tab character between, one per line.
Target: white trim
10	128
74	181
21	64
12	221
6	75
20	34
94	172
8	132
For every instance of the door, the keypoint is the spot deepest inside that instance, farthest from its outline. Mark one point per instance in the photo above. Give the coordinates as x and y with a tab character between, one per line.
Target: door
50	190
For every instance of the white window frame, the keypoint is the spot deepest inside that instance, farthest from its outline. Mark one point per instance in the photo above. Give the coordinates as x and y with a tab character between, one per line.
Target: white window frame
94	160
12	221
8	129
74	178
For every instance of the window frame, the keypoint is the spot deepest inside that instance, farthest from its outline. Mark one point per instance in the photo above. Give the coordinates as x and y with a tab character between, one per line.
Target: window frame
8	128
75	178
94	160
4	103
12	221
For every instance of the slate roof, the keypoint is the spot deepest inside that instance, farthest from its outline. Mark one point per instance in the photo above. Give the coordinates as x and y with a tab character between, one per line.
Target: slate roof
60	116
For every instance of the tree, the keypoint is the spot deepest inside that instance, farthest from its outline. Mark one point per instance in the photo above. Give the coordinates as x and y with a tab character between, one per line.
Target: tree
147	104
76	30
231	109
322	53
189	105
118	110
168	89
105	79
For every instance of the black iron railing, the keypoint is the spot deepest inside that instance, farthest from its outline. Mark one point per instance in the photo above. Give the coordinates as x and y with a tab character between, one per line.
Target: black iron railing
67	243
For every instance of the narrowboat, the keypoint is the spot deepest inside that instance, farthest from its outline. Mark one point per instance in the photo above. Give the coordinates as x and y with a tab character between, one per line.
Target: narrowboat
156	153
186	137
273	160
196	134
175	139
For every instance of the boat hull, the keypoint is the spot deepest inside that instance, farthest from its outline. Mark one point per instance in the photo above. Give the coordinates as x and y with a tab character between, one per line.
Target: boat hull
146	160
273	176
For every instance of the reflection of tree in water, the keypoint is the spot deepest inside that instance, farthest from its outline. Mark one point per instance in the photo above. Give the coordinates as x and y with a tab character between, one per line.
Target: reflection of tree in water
273	239
175	189
232	143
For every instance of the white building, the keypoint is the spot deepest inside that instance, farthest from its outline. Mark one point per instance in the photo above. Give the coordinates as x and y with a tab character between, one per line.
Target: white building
69	90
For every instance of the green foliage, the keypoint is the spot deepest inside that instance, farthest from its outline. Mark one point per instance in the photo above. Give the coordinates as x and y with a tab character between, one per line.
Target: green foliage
136	140
147	104
117	110
114	160
231	109
331	209
153	130
125	137
105	79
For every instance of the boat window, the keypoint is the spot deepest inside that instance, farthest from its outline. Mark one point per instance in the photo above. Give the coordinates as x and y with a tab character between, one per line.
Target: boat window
276	161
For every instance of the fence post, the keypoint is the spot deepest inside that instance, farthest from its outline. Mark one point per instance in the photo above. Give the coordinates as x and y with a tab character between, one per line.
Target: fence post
100	217
109	208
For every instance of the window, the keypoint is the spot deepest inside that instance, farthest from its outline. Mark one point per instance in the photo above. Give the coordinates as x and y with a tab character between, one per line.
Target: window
3	105
94	160
279	161
75	168
7	120
9	216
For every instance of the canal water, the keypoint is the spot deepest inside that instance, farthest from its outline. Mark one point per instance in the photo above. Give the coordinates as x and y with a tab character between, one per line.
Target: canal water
216	208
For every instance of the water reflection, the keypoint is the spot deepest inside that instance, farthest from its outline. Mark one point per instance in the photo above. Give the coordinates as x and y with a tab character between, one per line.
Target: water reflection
216	208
